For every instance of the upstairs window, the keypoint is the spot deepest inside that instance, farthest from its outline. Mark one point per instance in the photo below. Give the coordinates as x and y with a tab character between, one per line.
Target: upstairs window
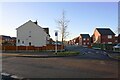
84	39
109	36
29	33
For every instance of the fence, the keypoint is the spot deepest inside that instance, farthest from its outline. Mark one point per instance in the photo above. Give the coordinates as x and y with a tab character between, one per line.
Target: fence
32	48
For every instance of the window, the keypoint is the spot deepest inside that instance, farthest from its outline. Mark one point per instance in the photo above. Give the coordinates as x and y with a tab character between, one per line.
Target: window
88	43
109	42
29	33
18	41
116	40
29	43
109	36
84	43
84	39
22	42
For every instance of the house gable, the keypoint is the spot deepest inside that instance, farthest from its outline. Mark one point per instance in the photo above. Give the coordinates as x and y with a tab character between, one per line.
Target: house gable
31	33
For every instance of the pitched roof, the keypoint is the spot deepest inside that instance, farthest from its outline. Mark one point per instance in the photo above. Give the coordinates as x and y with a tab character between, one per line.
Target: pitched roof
85	35
3	36
119	35
36	23
105	31
46	30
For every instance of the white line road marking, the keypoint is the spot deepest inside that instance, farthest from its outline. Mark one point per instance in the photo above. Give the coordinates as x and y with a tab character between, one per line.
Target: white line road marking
16	77
11	76
5	74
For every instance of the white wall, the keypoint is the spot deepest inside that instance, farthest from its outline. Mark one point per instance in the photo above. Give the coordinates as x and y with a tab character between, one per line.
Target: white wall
38	35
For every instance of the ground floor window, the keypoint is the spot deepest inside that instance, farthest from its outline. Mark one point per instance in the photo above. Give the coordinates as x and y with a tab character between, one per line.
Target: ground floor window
29	43
18	40
109	42
84	43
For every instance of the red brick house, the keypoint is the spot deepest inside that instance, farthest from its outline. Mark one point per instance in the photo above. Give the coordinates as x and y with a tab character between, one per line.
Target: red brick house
76	40
84	39
104	36
116	39
119	38
7	40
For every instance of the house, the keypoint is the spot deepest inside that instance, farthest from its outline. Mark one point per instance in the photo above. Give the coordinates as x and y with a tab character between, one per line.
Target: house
31	34
104	36
76	40
91	39
119	38
116	39
7	40
70	42
84	39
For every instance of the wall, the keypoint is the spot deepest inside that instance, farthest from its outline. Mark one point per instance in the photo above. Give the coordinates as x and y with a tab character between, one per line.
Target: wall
96	37
30	32
104	39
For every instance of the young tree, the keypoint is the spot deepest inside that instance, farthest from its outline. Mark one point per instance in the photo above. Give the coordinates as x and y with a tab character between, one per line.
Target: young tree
62	26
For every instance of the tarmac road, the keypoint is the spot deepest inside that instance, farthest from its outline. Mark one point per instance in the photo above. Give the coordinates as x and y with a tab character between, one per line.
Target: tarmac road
89	53
62	67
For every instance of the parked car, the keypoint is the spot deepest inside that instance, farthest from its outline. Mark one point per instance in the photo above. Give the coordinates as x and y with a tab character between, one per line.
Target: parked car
117	46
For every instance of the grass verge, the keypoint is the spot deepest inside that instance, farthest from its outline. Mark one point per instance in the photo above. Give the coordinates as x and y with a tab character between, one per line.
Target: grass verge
117	57
67	53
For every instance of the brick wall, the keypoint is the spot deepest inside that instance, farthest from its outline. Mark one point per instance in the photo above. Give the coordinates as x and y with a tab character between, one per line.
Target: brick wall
104	39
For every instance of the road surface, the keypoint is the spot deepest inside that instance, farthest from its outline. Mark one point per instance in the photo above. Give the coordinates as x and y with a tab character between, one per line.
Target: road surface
62	67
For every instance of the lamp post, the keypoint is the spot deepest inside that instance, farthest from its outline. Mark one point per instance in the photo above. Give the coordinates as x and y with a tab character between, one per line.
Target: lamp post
56	38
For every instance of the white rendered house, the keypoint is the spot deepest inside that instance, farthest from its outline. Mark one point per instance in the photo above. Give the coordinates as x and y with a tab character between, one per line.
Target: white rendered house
31	34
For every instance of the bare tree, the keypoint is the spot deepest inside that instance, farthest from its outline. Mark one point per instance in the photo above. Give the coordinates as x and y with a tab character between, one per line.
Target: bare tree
62	26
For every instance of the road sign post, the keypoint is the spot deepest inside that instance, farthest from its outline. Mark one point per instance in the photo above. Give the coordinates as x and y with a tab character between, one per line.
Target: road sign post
56	37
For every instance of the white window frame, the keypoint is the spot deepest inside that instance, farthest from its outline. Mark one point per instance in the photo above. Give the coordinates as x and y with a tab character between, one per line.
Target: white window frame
109	42
109	36
84	43
84	39
88	43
